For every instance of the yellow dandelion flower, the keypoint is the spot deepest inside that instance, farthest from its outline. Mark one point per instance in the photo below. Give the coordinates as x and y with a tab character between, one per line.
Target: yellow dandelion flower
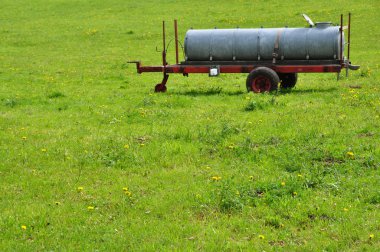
125	189
80	188
90	208
299	175
23	227
251	177
24	138
262	237
128	193
350	155
371	236
43	150
126	146
295	193
91	32
283	183
216	178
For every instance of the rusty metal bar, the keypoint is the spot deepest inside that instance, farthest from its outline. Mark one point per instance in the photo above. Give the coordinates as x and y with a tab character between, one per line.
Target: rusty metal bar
138	65
349	42
349	36
242	68
176	40
341	39
163	44
151	69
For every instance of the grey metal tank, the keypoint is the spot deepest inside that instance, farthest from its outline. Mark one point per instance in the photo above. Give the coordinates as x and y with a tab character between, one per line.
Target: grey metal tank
321	42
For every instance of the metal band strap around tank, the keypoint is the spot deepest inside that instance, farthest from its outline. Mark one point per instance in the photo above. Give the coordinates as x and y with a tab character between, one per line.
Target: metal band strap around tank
233	46
306	40
210	47
258	44
276	46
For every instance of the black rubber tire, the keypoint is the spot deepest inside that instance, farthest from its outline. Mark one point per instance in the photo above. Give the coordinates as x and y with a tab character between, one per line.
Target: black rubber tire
288	80
262	79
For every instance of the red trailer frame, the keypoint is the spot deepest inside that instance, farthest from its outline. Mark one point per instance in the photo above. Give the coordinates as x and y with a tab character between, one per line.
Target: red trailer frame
282	67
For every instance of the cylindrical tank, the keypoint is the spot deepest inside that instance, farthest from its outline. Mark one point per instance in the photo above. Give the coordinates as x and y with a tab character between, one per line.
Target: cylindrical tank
321	42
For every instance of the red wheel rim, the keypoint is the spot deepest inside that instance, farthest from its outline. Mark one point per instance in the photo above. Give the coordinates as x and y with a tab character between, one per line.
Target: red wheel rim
260	84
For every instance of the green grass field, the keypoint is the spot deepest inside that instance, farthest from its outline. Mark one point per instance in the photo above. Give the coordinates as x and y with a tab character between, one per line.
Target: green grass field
92	159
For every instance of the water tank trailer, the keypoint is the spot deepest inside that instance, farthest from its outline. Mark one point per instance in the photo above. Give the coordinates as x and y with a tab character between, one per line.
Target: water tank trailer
271	56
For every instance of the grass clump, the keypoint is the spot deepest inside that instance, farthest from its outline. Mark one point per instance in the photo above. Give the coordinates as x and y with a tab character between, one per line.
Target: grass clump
10	103
55	94
254	105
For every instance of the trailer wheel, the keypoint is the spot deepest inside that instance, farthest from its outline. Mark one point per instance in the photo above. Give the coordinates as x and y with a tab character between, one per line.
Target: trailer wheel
262	79
288	80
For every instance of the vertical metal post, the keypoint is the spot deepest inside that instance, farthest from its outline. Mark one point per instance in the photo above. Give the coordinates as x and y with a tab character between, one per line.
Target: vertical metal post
176	40
349	42
161	87
164	44
341	39
349	35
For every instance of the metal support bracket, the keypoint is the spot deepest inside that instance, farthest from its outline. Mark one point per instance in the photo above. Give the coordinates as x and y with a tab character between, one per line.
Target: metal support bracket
161	87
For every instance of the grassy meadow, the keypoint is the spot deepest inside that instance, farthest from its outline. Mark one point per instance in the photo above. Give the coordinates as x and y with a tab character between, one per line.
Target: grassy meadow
92	159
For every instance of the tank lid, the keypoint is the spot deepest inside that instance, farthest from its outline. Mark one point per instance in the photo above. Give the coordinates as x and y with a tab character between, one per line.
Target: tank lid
323	24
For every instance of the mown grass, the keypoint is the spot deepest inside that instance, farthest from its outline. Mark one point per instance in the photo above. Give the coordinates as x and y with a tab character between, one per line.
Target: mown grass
92	159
